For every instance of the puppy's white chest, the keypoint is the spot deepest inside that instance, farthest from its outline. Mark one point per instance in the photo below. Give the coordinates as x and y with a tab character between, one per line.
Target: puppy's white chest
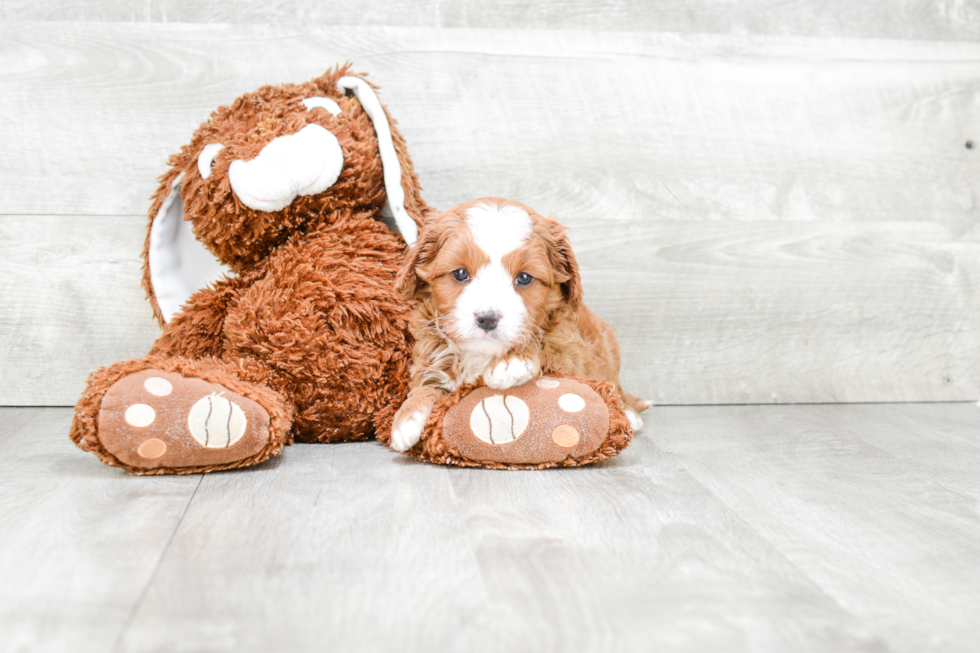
472	365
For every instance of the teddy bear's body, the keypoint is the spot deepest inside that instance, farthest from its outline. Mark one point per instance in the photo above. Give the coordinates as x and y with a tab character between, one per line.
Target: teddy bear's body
317	322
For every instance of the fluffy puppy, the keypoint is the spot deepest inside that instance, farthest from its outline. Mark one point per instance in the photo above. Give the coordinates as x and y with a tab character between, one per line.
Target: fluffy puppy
499	297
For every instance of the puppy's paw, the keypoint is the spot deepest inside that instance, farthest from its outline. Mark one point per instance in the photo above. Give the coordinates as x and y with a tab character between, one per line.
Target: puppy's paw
510	372
407	430
409	422
636	422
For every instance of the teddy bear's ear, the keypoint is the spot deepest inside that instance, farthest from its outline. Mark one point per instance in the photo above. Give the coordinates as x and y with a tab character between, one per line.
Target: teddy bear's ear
175	263
404	204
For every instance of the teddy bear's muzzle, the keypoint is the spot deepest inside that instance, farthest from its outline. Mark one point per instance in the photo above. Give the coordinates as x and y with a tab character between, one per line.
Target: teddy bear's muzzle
305	163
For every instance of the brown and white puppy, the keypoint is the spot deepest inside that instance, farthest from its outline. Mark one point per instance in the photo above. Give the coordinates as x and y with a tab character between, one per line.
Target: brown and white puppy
500	298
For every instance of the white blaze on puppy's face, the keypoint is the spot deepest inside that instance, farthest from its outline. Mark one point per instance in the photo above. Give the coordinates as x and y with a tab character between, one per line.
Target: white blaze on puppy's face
497	231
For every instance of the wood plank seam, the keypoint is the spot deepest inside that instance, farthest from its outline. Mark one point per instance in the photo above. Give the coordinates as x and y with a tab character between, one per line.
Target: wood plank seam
134	612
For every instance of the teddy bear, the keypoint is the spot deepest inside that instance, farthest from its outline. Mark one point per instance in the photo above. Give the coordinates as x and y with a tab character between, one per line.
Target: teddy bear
272	249
269	261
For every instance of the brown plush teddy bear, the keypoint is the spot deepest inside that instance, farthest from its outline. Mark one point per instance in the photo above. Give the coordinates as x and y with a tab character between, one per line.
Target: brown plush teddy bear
288	190
270	262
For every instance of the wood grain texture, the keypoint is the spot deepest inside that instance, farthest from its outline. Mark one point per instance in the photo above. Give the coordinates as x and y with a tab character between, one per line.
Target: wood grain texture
774	528
338	546
78	543
636	557
777	312
763	219
944	447
859	520
581	124
705	313
908	19
470	560
70	302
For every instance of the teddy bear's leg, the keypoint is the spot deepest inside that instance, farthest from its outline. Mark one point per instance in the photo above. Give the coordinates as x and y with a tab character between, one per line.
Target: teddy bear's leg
554	421
159	415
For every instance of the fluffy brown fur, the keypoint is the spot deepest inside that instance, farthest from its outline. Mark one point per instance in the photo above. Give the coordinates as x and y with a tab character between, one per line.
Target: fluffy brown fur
560	333
310	326
85	425
242	237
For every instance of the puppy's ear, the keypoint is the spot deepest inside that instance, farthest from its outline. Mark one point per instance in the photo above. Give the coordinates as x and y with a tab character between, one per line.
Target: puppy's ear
563	263
410	284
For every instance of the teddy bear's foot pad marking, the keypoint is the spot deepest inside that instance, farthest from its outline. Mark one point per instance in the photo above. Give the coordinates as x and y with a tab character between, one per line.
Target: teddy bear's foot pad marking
545	421
153	419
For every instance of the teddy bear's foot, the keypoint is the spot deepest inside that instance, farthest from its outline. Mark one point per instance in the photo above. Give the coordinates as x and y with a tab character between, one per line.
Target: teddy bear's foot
163	421
545	423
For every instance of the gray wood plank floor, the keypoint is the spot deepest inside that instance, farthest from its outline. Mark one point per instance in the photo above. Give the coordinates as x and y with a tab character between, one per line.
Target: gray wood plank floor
724	528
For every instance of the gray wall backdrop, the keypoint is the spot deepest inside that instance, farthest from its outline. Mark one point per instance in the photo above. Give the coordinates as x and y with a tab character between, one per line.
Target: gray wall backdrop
772	201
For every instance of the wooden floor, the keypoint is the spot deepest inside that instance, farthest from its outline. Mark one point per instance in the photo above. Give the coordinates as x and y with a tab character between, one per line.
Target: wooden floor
727	528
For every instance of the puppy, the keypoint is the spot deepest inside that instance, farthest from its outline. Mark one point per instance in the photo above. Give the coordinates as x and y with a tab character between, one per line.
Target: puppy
499	297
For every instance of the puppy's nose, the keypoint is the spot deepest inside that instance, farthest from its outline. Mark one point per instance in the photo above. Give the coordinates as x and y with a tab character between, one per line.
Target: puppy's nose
487	321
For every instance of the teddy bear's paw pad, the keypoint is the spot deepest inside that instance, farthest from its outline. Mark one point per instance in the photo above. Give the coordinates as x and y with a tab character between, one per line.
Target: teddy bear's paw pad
545	421
153	419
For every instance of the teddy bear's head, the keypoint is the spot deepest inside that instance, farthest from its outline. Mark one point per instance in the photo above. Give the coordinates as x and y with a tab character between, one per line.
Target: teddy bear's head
277	162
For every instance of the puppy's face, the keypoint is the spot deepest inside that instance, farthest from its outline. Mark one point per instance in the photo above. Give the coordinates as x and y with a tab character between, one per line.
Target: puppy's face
492	270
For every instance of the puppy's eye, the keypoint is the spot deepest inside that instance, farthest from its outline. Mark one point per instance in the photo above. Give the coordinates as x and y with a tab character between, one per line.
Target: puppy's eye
524	279
461	275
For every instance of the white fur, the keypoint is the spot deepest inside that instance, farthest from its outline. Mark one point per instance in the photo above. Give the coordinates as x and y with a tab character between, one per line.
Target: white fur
305	163
497	231
490	289
472	362
636	422
511	372
409	432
